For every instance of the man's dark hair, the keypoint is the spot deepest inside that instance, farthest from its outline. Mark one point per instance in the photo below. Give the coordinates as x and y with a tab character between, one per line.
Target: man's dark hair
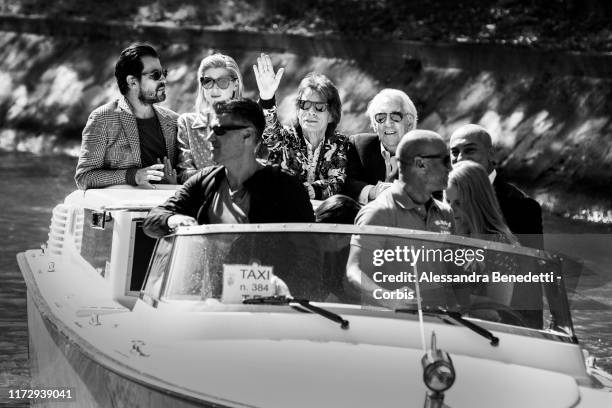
337	209
246	109
129	63
322	85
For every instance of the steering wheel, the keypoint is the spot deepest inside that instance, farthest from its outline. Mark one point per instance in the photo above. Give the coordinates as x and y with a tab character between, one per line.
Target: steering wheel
506	313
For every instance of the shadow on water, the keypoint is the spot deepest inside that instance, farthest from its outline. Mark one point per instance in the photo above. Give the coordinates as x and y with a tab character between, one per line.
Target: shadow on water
32	185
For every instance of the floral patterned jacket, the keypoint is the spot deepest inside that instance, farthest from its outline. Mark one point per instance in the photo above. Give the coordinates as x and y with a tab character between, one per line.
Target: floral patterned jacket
287	147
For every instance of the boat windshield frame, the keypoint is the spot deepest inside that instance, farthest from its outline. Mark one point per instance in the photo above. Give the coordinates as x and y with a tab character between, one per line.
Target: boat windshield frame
362	229
567	327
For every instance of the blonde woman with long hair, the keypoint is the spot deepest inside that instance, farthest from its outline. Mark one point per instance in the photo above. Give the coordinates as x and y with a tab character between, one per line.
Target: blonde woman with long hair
478	215
219	80
475	207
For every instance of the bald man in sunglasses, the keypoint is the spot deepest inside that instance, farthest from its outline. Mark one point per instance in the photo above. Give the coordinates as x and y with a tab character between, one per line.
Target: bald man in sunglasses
131	140
240	189
424	165
371	161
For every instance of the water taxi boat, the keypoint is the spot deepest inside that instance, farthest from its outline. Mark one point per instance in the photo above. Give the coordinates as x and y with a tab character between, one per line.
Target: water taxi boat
264	316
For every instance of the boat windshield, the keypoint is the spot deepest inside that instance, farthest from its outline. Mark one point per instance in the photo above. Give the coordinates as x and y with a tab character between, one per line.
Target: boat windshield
379	271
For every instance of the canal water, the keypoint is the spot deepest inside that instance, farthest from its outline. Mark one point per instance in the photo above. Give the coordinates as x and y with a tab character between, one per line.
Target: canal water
31	185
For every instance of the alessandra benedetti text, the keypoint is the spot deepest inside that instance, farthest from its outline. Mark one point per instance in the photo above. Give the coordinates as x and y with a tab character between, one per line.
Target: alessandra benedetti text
493	277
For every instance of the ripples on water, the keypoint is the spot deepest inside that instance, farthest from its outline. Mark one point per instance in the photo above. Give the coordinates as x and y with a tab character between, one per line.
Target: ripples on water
591	294
32	185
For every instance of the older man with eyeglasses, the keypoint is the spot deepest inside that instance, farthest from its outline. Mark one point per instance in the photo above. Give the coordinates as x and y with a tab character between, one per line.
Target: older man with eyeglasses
371	159
131	140
240	189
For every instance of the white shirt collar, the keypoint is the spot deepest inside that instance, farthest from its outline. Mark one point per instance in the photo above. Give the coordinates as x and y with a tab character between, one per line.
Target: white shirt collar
492	176
384	152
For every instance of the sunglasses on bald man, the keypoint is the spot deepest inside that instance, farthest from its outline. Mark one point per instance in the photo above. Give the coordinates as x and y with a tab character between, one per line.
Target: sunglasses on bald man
446	159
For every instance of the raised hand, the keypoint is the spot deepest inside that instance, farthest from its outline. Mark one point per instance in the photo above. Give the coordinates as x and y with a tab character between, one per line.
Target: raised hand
267	80
145	175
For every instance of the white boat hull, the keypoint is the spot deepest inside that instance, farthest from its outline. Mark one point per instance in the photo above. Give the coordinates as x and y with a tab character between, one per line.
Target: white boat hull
57	360
89	333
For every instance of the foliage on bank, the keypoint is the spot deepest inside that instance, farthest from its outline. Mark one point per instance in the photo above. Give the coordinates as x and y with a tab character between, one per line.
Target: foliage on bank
584	25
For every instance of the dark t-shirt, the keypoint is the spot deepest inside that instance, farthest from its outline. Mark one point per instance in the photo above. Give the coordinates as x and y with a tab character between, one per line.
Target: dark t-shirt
152	142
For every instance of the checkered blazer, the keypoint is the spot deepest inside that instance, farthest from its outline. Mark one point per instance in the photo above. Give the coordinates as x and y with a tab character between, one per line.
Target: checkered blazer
111	145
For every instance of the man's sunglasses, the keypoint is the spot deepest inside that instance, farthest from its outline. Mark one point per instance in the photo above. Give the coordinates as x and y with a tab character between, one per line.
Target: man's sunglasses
222	82
220	130
156	74
446	159
395	117
305	105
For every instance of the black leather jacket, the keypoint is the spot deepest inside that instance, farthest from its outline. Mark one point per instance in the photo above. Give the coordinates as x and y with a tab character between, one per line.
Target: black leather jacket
276	196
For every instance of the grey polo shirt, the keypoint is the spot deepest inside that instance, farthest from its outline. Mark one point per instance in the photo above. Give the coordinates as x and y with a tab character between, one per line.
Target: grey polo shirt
394	208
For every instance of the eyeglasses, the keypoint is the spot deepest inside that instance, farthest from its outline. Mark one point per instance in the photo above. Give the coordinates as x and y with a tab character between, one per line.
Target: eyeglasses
220	130
305	105
395	117
446	159
222	82
156	74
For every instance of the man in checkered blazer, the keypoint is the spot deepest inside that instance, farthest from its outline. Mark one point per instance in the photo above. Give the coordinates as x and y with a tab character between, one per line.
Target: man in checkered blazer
131	140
